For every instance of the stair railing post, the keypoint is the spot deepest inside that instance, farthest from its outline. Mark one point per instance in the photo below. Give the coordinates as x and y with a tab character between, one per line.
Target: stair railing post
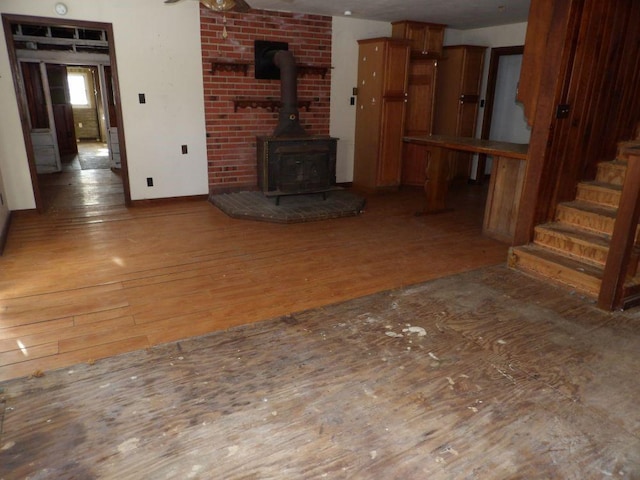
623	237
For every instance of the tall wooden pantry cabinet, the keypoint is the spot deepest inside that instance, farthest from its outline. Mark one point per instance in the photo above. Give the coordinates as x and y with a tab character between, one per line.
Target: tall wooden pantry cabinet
457	98
380	113
426	46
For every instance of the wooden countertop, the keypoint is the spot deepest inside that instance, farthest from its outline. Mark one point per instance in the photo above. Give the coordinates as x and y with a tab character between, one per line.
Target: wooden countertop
490	147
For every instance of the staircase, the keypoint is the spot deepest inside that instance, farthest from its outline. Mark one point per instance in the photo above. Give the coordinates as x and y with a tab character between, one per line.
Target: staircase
572	250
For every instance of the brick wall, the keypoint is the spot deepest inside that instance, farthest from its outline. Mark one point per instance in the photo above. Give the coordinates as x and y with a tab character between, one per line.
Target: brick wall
231	136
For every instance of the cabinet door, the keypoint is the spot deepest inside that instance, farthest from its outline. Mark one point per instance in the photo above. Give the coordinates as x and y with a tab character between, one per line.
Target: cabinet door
368	107
425	38
418	118
392	128
416	34
433	39
420	96
414	164
395	70
471	75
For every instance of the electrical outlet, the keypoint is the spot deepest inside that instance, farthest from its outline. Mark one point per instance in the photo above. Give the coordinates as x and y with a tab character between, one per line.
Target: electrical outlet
142	98
149	181
184	149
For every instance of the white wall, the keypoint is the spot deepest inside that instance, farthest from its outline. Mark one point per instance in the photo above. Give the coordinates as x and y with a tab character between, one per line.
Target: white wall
158	54
344	76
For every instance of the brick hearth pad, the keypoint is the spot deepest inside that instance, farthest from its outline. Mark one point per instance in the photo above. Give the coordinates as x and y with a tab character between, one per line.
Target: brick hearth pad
254	205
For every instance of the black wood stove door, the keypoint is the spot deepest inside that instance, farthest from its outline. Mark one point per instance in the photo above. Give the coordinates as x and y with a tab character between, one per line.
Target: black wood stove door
293	166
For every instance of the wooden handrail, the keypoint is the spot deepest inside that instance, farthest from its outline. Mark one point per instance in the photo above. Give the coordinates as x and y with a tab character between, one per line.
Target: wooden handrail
623	237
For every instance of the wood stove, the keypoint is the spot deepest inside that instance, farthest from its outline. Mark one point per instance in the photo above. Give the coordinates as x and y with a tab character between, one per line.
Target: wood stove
292	162
296	165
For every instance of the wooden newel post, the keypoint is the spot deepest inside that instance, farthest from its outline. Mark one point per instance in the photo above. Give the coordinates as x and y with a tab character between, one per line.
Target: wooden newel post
623	237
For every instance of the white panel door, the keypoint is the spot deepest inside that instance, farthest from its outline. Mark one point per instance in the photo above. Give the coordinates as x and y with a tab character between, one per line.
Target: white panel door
44	140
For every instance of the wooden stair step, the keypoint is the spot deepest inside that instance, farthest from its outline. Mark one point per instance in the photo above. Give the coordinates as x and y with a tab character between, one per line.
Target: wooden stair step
612	172
600	193
573	241
590	216
621	153
561	269
587	215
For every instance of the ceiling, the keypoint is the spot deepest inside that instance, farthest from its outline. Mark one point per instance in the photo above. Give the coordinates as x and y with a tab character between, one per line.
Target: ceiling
460	14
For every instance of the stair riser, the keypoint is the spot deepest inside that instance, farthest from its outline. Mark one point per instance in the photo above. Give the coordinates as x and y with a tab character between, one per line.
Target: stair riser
588	193
557	273
590	221
595	254
611	173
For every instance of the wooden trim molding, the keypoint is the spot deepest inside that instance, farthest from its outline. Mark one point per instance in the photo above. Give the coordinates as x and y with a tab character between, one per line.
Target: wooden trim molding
492	78
7	21
159	201
4	233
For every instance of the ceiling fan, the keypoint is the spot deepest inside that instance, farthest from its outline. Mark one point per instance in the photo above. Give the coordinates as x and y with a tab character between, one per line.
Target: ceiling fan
222	5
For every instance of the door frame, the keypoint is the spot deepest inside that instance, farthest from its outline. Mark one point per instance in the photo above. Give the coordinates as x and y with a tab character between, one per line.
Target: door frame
492	79
7	20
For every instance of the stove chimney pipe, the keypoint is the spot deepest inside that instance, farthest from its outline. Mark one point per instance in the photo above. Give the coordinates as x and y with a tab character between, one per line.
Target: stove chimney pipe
288	117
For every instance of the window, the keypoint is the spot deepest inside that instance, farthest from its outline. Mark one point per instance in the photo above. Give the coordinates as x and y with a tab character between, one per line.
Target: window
78	89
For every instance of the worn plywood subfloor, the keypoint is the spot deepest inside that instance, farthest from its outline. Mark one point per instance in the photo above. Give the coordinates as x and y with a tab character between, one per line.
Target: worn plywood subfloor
483	375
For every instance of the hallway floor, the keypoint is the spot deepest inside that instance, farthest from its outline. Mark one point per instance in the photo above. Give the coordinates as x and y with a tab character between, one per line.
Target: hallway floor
85	181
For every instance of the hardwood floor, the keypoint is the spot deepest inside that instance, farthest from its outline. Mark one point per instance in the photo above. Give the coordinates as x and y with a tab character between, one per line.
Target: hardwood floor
84	182
79	283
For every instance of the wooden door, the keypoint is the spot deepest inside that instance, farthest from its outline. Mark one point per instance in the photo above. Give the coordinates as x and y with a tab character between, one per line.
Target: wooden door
457	96
390	166
418	117
113	142
470	76
62	109
41	121
420	95
425	38
392	125
368	111
382	90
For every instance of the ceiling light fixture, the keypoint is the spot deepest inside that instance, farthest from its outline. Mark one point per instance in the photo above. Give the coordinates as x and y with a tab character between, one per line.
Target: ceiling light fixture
219	5
347	13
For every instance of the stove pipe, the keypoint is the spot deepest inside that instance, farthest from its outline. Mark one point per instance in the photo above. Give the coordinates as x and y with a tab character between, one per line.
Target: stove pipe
288	116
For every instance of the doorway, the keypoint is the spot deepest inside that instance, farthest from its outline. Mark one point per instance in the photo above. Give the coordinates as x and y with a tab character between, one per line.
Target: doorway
67	89
504	118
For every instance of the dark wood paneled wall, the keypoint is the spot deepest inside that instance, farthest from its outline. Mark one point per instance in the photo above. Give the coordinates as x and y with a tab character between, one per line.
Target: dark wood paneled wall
592	52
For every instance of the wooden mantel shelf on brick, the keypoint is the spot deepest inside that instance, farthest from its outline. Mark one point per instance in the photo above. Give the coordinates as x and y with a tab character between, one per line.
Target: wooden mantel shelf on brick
240	66
227	66
268	103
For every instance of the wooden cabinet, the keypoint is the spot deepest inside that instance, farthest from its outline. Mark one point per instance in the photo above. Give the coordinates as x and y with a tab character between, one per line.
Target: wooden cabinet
418	117
457	97
380	112
425	38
